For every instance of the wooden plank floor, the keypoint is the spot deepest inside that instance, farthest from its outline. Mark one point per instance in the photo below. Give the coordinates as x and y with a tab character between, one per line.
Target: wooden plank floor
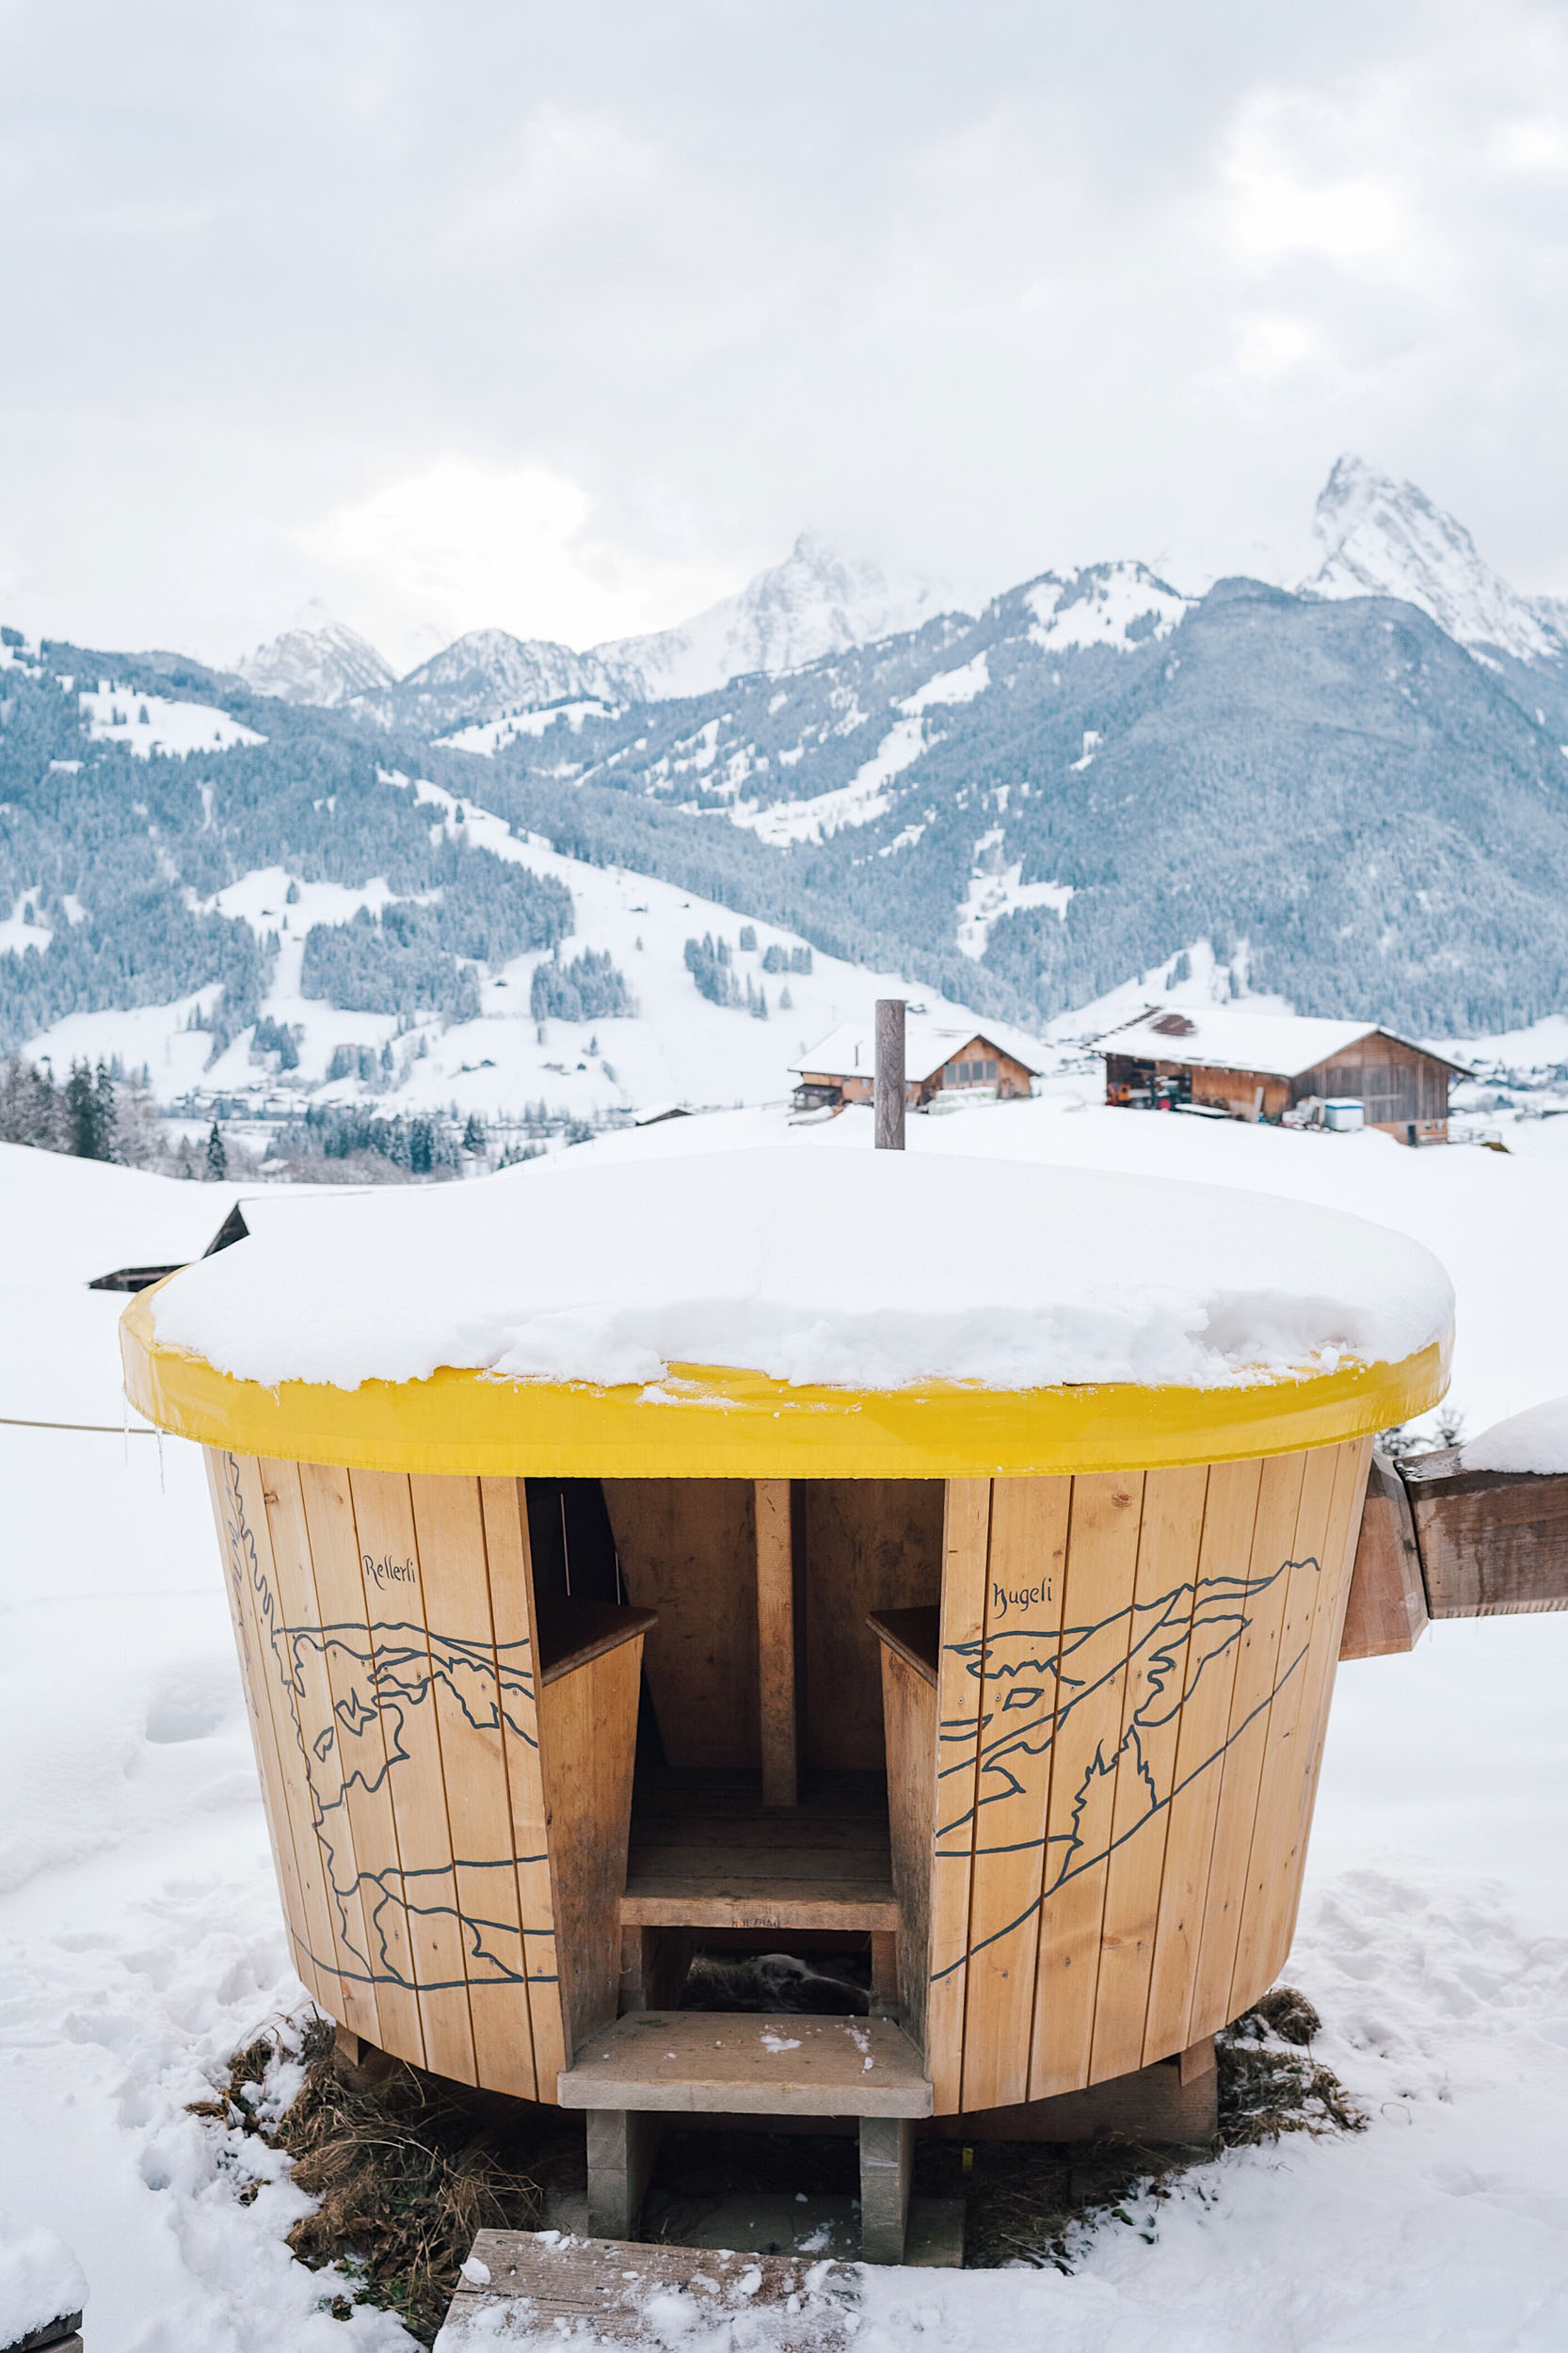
597	2290
705	1854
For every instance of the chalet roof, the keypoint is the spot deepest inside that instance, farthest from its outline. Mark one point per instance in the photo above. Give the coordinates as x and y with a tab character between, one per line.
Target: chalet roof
849	1051
1225	1037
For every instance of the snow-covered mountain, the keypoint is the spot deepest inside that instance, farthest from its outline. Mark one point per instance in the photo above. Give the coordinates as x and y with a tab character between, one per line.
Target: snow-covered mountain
486	672
321	661
1103	604
815	602
1385	538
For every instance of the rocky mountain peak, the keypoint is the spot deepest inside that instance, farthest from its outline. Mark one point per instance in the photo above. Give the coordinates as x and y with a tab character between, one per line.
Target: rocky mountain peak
815	602
319	660
1385	538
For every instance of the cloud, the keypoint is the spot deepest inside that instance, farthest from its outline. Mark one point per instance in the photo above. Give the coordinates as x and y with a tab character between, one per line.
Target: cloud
566	320
459	546
1294	188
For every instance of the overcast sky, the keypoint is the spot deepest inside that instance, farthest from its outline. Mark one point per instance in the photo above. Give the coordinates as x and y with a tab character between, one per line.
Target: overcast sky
566	319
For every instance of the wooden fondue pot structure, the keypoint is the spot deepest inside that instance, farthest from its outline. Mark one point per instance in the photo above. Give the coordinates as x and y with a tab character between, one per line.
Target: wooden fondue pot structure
1097	1688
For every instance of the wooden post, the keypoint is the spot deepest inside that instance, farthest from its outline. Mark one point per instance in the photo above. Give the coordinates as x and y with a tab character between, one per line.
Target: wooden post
890	1074
776	1645
886	2168
622	2145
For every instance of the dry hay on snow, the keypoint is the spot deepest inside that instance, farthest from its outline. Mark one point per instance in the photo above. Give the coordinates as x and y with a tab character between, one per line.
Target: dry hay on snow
405	2168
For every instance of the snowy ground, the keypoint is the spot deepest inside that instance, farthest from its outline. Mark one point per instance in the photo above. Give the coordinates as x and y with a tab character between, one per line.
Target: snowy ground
140	1940
154	723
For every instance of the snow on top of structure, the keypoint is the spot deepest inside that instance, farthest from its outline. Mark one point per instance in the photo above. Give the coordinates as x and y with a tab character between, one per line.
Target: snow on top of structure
40	2279
152	723
1536	1440
864	1270
1104	604
1221	1037
1386	538
849	1051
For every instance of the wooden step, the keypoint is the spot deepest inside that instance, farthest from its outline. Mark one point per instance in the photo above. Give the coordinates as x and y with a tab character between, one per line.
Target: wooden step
706	1853
737	2063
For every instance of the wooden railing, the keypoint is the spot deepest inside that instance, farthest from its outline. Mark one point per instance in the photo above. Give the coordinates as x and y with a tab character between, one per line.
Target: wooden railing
1438	1541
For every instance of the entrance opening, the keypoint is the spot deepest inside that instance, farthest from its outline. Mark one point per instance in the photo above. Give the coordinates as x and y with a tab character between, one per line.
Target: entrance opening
760	1806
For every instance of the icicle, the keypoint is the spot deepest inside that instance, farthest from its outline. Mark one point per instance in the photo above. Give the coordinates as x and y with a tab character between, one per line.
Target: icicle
126	1429
162	1489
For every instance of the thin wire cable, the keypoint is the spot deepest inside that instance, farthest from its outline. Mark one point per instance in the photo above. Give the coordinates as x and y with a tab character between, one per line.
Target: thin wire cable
99	1429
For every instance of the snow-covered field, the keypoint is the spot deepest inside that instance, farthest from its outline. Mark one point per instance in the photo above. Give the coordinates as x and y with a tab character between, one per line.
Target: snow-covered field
678	1049
140	1940
154	723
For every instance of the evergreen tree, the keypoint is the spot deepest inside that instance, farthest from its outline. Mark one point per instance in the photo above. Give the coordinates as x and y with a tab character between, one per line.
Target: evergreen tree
217	1158
474	1137
89	1111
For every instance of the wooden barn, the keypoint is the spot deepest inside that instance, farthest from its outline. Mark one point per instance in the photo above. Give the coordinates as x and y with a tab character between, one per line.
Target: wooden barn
939	1059
1260	1065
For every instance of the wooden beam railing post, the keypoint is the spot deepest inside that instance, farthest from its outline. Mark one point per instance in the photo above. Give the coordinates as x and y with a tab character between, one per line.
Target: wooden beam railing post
890	1074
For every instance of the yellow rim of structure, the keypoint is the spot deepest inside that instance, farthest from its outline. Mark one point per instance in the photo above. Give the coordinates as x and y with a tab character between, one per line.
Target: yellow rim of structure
708	1422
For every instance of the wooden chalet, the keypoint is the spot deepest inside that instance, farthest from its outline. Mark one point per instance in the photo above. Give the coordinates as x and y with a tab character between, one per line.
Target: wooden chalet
939	1059
1260	1065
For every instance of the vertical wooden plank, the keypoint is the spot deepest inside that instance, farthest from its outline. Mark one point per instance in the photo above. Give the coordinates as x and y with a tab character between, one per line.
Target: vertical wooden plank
909	1708
1219	1614
453	1574
506	1512
687	1548
1339	1545
383	1514
588	1745
1025	1586
1102	1566
1168	1548
310	1696
351	1671
241	1568
775	1644
966	1533
271	1632
1273	1856
872	1544
1257	1666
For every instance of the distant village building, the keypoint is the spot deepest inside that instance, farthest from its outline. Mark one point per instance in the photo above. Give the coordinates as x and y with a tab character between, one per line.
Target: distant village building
1262	1065
937	1059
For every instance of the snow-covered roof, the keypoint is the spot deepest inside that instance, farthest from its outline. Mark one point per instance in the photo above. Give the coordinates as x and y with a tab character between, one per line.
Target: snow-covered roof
810	1266
849	1051
1227	1037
